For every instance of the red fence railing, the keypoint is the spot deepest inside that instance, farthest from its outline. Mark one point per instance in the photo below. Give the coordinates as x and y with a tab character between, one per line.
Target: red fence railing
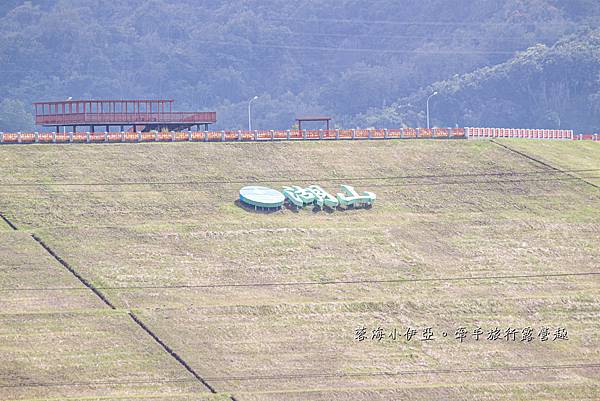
231	136
290	135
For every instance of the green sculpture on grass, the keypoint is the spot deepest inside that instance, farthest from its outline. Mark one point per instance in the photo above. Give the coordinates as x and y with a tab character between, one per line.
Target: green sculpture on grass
298	196
315	195
351	198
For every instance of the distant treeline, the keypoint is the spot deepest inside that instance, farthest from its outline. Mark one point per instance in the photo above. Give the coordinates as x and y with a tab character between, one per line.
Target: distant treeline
368	64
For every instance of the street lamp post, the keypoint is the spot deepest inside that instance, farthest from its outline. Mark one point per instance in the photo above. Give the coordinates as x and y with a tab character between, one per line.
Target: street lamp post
65	127
250	115
430	96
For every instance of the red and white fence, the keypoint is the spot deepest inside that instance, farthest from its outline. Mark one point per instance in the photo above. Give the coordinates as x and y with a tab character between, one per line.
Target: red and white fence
475	133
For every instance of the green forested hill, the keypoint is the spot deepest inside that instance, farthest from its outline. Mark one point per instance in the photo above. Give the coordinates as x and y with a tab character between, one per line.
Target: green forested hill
351	59
557	86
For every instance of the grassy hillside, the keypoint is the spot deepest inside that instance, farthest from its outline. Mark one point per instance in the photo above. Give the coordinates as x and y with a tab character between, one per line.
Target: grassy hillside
266	306
65	344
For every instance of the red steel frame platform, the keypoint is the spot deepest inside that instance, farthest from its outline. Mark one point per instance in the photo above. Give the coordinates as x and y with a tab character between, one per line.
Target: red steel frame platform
145	114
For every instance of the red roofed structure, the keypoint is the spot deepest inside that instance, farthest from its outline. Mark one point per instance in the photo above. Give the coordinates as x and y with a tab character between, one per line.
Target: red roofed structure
145	115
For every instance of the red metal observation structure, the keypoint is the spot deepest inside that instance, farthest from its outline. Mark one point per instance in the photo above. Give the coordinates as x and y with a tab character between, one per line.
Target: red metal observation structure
142	115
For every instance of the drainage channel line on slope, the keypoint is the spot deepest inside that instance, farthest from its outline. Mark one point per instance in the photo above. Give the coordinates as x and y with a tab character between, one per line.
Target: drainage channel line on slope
543	163
7	221
73	271
170	351
133	317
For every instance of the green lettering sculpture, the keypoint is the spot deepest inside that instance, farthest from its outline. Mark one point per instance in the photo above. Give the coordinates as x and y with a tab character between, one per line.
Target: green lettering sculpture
323	198
350	197
315	195
298	196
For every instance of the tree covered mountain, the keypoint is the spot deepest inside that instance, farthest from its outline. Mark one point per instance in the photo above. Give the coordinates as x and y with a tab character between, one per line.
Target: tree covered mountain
556	87
365	63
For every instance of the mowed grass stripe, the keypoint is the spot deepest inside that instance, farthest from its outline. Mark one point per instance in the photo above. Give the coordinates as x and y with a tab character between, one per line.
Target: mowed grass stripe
370	393
320	375
158	397
412	372
96	383
296	179
309	283
371	185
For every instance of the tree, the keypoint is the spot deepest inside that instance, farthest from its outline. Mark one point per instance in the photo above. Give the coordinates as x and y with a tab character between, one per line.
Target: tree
14	117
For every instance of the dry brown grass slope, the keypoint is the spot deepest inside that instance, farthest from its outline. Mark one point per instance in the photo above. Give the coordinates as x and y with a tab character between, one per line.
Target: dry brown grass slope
265	306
